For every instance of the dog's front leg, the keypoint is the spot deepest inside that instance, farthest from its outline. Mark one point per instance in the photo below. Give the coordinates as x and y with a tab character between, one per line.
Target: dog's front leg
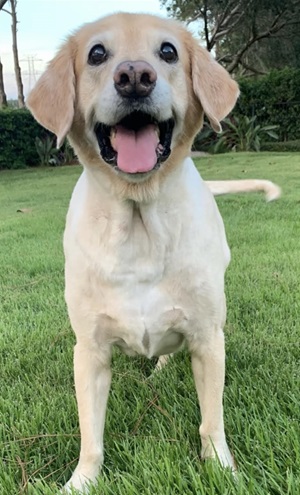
208	363
92	383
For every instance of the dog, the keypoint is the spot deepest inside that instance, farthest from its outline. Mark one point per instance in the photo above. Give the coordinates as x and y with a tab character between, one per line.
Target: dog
145	246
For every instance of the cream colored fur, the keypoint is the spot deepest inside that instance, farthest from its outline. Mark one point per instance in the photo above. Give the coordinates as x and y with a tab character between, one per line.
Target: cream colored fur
145	256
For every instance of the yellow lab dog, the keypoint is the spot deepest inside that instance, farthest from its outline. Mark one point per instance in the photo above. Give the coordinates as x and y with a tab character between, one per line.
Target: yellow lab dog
144	243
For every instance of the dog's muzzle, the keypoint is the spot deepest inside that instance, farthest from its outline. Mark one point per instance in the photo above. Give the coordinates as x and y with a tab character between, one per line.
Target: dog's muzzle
139	142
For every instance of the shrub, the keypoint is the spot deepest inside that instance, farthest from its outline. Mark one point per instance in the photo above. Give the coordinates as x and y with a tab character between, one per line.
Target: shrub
239	134
274	100
243	134
23	142
46	150
281	146
18	131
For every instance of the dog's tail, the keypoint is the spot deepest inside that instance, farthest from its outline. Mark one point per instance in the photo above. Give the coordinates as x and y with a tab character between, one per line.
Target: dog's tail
218	187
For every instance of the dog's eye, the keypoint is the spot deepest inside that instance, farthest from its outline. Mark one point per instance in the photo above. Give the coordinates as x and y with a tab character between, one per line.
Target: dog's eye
97	55
168	53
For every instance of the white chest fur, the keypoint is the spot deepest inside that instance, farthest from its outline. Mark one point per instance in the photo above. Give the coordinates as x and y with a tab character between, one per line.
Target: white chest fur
134	271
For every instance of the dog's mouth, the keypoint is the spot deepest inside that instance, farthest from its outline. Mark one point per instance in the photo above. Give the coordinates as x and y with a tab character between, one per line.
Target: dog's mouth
137	144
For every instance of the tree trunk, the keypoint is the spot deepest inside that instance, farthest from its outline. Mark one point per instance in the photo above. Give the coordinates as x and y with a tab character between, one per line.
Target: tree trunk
21	101
3	100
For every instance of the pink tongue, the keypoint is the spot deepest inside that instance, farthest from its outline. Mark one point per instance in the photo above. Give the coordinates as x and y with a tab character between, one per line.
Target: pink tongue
136	150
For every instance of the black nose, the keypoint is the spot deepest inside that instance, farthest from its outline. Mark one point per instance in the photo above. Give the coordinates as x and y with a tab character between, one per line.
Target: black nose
134	79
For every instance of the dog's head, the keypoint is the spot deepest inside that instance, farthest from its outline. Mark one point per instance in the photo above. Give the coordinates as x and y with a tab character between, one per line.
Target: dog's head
130	90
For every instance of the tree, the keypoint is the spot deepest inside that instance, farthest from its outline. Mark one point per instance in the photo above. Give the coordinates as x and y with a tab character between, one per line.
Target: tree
3	99
240	30
21	99
14	22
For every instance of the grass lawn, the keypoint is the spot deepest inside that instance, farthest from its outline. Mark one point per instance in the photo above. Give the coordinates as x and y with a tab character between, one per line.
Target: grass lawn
151	437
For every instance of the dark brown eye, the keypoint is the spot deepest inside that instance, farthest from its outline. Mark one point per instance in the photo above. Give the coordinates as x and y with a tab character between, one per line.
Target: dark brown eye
168	53
97	55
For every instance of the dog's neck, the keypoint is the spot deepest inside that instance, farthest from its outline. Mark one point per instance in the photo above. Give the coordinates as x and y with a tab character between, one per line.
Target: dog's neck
139	190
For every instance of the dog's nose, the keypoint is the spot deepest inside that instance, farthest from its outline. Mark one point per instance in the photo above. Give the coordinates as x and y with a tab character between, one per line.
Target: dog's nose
134	79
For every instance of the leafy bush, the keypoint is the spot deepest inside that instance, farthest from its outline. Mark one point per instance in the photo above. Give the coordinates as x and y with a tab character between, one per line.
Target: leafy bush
281	146
23	142
239	134
18	131
243	134
46	150
273	99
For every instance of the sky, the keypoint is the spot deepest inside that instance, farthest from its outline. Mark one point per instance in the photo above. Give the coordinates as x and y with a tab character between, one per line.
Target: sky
44	24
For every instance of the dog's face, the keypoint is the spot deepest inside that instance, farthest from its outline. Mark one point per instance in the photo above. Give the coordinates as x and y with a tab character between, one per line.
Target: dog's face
131	90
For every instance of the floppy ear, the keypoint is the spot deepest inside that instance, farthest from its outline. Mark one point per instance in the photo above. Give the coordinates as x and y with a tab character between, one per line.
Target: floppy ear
52	99
213	86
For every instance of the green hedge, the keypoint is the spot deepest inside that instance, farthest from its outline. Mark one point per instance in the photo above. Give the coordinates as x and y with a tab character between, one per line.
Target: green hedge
18	131
281	146
275	100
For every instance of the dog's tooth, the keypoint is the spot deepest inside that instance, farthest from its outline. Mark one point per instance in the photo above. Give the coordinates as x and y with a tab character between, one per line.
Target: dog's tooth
160	149
112	137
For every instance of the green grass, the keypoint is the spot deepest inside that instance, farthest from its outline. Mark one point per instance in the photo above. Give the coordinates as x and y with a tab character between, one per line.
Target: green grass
151	436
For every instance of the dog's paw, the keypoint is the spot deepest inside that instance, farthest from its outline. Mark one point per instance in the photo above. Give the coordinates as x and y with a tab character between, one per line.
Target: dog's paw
162	361
78	483
220	452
